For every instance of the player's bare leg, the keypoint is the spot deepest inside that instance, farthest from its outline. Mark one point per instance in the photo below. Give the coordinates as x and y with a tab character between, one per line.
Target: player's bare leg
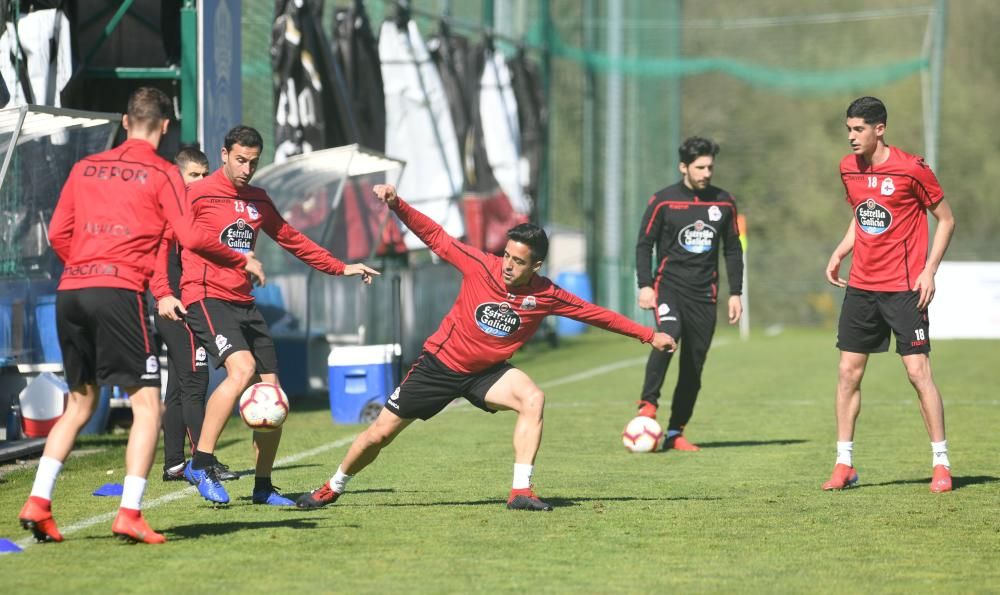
363	451
265	446
203	470
918	369
847	407
516	391
139	455
36	514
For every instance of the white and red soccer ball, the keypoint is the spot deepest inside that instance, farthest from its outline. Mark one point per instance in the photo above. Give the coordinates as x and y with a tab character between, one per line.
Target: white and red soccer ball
642	434
263	407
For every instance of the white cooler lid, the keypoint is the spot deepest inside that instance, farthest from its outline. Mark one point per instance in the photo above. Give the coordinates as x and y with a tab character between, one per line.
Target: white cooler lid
360	355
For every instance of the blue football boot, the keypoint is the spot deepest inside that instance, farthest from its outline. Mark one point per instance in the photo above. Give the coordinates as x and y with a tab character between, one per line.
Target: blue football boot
208	483
271	497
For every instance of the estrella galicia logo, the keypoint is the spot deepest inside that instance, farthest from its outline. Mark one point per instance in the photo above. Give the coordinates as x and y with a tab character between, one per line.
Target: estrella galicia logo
239	236
872	217
697	237
498	320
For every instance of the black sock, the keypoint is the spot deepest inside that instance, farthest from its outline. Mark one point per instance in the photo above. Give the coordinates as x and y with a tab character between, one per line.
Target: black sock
200	460
261	484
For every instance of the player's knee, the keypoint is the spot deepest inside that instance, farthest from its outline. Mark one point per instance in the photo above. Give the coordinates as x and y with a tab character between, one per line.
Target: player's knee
241	369
918	370
850	373
533	401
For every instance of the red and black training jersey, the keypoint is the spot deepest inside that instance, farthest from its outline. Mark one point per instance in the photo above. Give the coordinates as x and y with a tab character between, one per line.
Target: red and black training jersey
489	320
687	227
111	215
235	217
890	202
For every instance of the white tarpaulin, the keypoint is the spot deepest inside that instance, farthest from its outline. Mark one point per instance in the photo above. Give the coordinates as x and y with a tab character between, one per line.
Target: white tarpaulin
419	129
967	301
501	131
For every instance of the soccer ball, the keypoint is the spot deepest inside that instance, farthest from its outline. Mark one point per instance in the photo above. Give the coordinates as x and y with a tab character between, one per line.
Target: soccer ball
263	407
642	434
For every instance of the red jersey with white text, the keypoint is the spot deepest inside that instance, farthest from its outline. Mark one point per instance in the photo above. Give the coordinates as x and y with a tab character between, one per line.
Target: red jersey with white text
235	217
111	214
890	202
489	320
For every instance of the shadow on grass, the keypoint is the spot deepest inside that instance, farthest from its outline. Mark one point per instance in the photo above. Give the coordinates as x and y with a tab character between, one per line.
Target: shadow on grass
957	481
194	531
555	502
735	443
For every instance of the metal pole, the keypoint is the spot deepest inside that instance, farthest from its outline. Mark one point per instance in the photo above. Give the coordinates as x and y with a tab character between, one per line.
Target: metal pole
611	256
937	71
674	50
189	73
545	177
589	143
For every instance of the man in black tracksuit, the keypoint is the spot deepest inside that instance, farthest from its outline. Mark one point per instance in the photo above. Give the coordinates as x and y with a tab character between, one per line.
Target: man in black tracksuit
687	222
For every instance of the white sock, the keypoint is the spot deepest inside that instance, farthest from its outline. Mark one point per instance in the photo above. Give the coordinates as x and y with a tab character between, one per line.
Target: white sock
132	490
522	476
845	453
339	481
939	454
45	477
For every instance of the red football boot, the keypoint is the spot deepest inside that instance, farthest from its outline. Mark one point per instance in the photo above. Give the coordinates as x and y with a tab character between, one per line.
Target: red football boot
844	476
647	409
941	481
130	526
36	516
525	499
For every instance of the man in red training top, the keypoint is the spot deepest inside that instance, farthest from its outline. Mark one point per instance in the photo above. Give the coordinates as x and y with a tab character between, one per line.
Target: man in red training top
500	305
891	282
219	309
106	227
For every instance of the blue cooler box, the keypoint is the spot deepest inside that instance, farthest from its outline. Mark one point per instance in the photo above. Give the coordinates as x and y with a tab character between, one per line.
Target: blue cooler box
360	381
578	283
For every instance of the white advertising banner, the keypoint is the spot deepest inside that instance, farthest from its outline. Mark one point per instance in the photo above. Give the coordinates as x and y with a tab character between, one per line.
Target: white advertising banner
967	301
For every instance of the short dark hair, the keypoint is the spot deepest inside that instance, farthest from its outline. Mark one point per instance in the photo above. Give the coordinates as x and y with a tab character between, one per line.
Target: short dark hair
190	155
870	109
533	237
148	107
243	136
695	147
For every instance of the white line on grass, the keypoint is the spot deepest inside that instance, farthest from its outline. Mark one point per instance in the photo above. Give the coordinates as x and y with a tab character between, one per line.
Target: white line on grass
167	498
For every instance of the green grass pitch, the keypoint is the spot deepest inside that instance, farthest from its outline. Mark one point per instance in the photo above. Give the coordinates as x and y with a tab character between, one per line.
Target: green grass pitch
746	514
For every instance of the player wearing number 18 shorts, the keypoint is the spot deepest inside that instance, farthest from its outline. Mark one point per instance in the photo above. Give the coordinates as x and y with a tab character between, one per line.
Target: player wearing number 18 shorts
891	281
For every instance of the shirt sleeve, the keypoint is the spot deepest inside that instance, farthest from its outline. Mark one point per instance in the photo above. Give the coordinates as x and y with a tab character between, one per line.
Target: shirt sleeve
571	306
648	234
297	242
63	218
462	256
925	184
733	249
159	284
173	200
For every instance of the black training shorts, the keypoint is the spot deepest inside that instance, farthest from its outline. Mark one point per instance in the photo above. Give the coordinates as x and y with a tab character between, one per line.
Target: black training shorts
430	386
226	327
867	317
105	338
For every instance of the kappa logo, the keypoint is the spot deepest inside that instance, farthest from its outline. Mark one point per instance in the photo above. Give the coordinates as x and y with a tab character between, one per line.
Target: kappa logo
714	213
529	302
395	394
663	310
887	187
152	365
252	211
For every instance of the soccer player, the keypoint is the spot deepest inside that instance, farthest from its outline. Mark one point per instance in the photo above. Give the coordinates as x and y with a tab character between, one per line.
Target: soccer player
891	281
106	227
500	305
689	223
187	381
219	309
